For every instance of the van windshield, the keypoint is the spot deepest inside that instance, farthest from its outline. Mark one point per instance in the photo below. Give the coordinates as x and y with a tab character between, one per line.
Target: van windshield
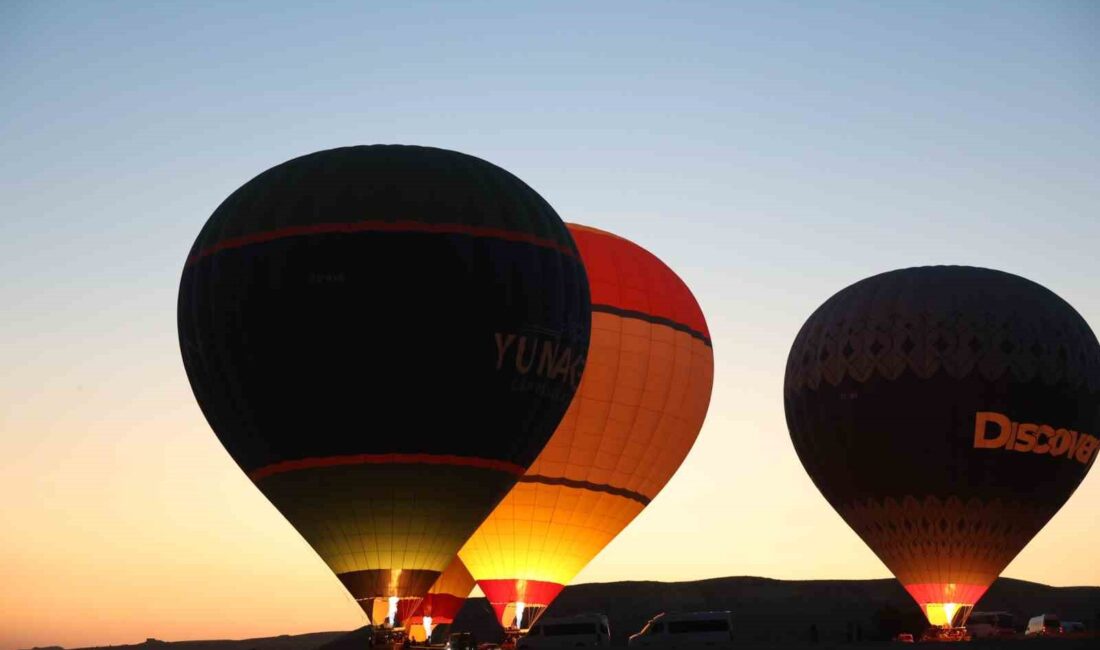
686	627
565	629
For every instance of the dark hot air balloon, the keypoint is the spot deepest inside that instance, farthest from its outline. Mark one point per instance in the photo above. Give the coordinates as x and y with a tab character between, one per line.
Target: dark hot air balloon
946	413
384	338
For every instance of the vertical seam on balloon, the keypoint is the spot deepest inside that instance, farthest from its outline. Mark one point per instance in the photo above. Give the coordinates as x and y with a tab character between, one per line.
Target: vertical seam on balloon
666	411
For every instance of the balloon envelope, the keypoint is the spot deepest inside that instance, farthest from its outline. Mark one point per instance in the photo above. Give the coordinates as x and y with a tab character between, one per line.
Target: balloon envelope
638	411
384	338
946	413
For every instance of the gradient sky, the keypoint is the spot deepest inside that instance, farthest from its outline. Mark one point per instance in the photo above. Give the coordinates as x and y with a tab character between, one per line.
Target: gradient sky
771	153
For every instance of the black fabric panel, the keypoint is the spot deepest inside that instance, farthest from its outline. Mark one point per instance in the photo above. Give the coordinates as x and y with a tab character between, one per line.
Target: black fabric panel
885	379
302	342
341	344
914	437
383	183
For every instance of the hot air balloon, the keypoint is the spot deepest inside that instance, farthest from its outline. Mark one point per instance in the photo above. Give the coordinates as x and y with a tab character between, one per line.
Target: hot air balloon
639	408
437	611
384	338
946	413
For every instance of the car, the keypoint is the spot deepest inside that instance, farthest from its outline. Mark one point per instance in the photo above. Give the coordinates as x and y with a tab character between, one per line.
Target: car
580	631
1073	628
1044	625
685	631
904	637
991	625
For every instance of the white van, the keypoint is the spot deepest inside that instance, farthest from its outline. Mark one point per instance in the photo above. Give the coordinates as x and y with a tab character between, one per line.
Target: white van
991	625
581	631
1044	625
687	631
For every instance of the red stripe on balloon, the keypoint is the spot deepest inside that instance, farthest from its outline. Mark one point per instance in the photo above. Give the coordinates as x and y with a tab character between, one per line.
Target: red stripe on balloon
385	459
379	226
529	592
942	592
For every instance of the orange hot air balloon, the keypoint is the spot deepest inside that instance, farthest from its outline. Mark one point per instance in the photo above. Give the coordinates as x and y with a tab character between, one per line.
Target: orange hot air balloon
358	327
437	611
637	412
946	413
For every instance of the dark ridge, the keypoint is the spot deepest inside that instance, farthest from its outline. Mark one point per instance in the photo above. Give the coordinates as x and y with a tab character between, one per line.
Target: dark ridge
310	641
768	614
779	613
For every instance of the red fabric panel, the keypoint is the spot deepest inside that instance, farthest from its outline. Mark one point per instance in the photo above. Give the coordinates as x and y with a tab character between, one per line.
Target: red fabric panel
531	592
946	593
406	607
383	459
624	275
441	607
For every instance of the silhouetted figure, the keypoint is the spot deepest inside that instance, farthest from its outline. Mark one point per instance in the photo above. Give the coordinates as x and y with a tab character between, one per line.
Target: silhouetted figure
813	634
859	631
849	632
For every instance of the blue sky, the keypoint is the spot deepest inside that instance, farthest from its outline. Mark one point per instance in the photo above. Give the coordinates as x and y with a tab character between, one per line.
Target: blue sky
771	153
748	139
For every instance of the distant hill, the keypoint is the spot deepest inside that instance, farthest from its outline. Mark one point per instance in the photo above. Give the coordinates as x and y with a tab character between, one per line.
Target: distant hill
773	614
310	641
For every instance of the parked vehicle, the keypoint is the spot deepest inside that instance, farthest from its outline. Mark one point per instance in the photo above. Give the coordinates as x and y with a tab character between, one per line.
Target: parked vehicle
1044	625
904	637
1073	627
988	625
581	631
685	631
